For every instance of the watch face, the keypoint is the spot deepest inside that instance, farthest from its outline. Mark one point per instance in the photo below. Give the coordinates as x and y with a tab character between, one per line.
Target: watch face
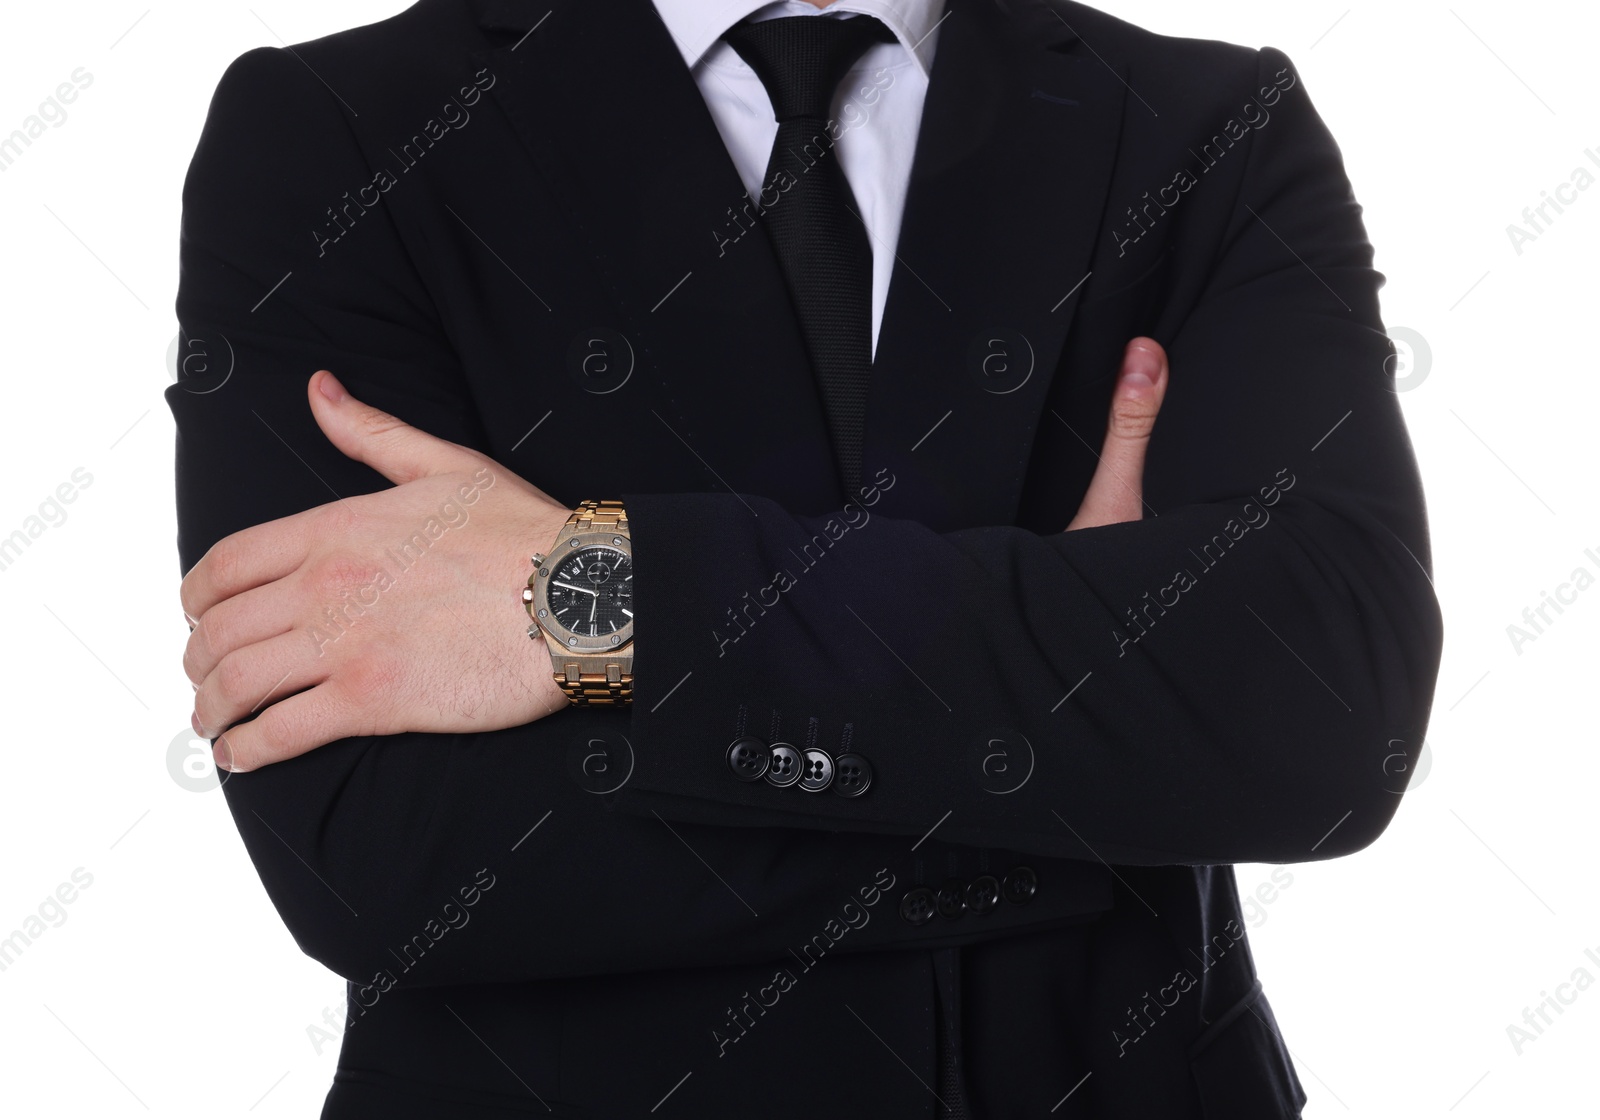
591	593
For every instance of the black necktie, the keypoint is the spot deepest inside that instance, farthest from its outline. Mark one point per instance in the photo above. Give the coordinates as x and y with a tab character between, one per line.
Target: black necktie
809	212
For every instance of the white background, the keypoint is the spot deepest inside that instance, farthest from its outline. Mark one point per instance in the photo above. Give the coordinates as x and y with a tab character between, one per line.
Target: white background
172	988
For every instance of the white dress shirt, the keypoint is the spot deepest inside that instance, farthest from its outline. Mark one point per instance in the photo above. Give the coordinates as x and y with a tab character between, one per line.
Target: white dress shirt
878	104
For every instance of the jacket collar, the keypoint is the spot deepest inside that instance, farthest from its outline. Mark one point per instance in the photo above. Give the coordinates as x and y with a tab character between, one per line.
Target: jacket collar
696	24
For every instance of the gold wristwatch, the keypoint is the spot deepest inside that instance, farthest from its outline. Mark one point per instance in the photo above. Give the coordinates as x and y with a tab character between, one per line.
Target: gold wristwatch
580	599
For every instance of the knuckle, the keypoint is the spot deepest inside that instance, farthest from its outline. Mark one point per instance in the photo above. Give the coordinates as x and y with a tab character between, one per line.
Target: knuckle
391	438
194	658
369	676
340	574
275	732
1133	419
224	561
232	677
376	422
212	637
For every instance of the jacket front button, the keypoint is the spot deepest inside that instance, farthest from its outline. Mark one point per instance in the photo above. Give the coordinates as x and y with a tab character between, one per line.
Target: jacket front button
747	758
1020	885
983	894
918	906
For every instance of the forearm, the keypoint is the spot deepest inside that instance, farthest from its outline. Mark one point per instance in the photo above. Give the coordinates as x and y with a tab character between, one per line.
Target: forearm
1216	683
427	860
1237	717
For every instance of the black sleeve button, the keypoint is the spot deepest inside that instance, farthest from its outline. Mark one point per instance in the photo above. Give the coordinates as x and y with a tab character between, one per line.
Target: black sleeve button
852	774
816	770
918	906
748	758
783	765
952	898
983	894
1020	886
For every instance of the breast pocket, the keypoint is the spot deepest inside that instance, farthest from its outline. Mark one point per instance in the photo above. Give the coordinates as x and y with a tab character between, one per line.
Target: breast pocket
1131	302
1102	327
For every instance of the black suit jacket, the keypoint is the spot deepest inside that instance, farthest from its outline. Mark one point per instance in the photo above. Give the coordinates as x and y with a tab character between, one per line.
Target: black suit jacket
511	224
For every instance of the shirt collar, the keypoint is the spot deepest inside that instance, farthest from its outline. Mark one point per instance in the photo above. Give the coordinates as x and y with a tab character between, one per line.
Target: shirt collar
696	25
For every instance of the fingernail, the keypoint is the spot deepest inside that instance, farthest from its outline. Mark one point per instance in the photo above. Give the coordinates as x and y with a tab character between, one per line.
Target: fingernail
1139	369
194	722
222	755
332	389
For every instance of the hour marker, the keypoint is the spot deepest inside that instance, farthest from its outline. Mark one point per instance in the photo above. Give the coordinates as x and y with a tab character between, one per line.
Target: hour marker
627	612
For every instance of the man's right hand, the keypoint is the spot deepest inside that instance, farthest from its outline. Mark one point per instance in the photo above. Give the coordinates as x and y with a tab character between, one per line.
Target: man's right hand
1116	492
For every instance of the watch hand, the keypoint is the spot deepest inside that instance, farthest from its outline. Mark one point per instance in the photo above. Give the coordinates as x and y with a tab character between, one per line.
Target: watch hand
572	587
592	607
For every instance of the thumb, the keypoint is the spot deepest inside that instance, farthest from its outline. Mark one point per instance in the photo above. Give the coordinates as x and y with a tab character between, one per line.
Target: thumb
385	443
1116	492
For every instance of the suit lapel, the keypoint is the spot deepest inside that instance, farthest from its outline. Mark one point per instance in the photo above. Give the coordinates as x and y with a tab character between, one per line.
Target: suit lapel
612	118
1014	155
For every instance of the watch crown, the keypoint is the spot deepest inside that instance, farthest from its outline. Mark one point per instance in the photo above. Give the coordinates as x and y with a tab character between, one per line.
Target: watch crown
527	594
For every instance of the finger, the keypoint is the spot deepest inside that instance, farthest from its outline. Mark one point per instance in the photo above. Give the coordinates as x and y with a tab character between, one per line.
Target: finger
243	620
248	679
292	726
385	443
249	558
1116	492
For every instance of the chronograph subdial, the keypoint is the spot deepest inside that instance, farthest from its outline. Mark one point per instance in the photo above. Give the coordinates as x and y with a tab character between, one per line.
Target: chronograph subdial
591	593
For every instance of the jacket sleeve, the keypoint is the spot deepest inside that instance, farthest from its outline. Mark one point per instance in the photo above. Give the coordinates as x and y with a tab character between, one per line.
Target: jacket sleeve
436	859
1217	683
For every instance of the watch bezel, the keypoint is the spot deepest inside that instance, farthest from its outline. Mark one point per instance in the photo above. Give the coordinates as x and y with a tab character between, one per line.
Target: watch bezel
570	543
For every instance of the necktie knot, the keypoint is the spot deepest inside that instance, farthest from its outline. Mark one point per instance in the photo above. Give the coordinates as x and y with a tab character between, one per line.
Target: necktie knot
802	59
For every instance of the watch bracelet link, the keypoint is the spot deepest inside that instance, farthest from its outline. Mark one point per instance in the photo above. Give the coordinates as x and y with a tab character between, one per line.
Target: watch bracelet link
611	687
598	515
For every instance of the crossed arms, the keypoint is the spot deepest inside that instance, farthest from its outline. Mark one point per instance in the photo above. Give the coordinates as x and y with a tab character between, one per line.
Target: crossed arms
1205	736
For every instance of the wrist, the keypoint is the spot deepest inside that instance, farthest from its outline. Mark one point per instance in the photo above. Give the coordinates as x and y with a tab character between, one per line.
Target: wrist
579	599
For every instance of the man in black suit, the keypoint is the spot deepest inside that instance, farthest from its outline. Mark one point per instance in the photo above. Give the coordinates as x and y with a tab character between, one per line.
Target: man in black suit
914	804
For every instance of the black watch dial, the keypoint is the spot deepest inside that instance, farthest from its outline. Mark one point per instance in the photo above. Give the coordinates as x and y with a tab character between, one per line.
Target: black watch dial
591	593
